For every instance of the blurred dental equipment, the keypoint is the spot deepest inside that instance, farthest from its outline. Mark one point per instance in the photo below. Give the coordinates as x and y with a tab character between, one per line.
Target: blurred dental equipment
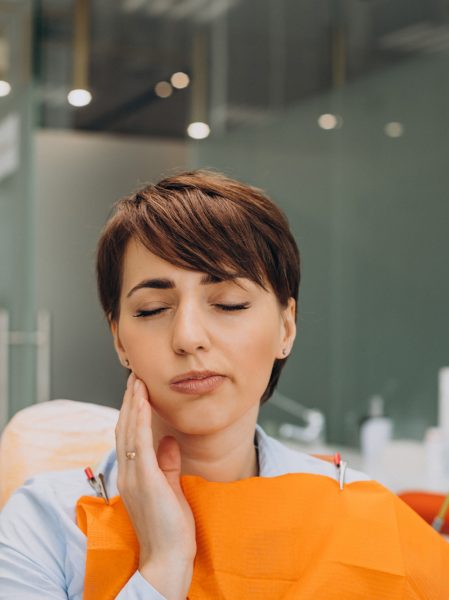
436	441
443	401
439	519
314	420
376	433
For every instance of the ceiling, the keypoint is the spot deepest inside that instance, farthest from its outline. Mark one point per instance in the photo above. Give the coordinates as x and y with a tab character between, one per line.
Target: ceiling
247	59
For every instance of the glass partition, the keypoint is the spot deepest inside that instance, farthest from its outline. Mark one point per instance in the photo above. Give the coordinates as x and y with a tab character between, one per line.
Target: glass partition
17	310
348	131
337	108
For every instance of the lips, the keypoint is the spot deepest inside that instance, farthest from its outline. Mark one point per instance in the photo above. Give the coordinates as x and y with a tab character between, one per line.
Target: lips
198	386
191	375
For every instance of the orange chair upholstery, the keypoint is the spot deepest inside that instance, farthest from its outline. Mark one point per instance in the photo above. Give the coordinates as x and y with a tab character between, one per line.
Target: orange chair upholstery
53	436
427	505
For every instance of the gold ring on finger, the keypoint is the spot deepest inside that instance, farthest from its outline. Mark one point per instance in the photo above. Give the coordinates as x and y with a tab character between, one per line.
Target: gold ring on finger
130	455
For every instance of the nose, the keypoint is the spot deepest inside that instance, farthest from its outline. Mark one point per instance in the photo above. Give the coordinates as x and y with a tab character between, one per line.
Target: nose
189	332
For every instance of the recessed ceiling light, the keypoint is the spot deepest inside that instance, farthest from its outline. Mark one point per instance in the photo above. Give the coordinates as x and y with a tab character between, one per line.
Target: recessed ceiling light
5	88
198	130
79	97
394	129
163	89
180	80
329	121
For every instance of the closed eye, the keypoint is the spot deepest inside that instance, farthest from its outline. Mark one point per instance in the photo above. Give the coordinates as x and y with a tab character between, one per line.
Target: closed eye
225	307
233	306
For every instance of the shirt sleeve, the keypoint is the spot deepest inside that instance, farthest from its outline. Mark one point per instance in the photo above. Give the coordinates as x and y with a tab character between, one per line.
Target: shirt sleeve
138	588
32	549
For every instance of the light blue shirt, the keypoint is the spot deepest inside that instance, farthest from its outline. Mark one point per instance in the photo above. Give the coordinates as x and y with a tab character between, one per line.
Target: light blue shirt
43	552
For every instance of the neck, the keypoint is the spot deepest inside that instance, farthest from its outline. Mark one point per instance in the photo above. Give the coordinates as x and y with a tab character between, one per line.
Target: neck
224	455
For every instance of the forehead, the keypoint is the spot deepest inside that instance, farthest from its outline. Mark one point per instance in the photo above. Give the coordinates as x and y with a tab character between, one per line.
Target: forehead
137	257
140	264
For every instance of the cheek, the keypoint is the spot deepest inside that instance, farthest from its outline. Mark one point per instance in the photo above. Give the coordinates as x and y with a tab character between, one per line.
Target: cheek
144	356
258	341
254	355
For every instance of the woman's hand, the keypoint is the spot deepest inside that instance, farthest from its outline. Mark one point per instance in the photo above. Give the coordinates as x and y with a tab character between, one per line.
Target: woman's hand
150	488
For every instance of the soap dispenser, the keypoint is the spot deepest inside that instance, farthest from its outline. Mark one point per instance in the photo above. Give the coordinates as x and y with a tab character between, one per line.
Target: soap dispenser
375	433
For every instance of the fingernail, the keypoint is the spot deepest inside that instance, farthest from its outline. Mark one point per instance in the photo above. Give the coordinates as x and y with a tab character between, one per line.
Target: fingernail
128	383
136	386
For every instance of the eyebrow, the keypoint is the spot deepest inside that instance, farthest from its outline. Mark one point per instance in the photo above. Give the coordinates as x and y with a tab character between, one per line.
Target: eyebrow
169	284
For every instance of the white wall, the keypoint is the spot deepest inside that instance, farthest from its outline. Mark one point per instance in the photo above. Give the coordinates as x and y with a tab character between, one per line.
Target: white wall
78	176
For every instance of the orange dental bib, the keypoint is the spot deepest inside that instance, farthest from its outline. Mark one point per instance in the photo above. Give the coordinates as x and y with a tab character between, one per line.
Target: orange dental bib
290	537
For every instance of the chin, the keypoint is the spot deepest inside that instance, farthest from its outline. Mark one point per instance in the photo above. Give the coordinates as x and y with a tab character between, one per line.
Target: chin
199	424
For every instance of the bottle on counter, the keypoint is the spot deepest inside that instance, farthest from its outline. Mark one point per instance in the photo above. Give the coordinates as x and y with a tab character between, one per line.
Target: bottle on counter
376	432
436	448
443	401
436	440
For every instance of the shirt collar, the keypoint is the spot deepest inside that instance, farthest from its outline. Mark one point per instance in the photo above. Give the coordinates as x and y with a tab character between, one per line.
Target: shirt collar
268	461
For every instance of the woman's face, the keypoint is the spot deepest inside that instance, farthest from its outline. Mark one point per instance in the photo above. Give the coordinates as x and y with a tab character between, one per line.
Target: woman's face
191	331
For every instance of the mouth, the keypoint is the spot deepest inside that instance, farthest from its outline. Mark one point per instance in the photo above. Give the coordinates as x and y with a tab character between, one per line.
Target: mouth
193	375
195	386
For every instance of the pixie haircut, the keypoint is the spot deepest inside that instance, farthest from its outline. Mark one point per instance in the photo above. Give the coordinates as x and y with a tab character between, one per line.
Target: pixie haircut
203	221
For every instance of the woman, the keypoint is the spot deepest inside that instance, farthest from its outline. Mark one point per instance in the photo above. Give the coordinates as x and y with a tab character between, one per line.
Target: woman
198	277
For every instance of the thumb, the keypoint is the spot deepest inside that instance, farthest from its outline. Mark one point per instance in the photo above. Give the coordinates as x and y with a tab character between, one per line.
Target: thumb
169	459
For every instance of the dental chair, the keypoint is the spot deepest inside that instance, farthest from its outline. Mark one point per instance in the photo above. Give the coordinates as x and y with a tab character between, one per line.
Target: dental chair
54	436
66	434
427	505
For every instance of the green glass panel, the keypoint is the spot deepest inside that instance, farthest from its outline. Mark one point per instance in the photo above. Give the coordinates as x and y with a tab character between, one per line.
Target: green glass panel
16	208
368	204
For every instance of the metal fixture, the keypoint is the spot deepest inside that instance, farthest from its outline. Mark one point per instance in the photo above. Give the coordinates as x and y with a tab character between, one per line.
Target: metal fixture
41	339
314	420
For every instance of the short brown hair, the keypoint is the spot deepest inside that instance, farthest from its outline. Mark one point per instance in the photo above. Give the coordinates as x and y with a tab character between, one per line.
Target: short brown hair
202	221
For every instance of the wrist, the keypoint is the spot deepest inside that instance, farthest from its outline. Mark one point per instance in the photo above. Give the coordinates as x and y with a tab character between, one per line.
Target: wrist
171	577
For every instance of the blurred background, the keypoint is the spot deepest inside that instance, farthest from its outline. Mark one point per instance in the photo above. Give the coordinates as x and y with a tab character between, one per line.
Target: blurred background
339	109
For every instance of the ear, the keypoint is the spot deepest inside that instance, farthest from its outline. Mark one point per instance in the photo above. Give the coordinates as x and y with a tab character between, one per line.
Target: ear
288	331
121	353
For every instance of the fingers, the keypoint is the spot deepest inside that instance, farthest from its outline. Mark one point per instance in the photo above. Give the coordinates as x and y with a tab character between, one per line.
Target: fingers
141	432
122	423
133	433
131	424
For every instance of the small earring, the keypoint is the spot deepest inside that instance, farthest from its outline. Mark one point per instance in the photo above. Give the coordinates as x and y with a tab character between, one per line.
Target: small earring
284	351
